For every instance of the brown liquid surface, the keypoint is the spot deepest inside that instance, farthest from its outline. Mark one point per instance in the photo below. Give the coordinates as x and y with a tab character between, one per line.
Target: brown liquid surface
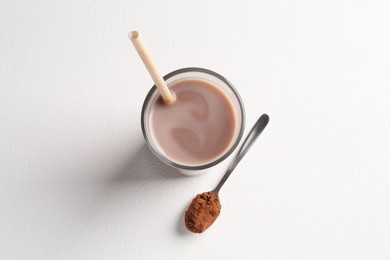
198	127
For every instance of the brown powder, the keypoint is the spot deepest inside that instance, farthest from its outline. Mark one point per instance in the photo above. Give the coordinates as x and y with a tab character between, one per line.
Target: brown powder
202	212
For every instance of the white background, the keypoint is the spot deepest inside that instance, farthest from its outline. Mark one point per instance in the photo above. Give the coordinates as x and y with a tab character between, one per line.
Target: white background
77	182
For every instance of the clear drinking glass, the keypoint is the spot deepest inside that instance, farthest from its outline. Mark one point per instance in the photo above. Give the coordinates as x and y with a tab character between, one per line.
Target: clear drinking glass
194	74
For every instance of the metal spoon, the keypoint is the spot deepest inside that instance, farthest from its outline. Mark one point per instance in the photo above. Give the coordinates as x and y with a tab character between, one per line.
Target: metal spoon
249	141
205	208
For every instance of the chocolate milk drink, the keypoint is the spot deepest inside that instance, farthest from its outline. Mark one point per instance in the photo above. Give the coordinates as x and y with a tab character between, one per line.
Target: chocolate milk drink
201	128
198	127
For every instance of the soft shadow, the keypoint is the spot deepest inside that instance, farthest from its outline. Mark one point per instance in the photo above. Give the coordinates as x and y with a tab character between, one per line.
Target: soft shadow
141	177
181	228
143	166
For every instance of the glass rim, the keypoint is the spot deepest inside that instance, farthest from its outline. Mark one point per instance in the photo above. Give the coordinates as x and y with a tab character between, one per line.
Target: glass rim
161	156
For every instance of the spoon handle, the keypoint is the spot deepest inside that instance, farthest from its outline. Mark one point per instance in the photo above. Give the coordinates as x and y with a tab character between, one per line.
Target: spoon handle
250	139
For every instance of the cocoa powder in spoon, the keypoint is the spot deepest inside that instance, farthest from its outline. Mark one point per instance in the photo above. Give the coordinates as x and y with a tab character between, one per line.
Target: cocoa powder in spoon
202	212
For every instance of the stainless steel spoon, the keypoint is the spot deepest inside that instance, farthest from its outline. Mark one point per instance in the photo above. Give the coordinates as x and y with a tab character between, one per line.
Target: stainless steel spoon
250	139
205	208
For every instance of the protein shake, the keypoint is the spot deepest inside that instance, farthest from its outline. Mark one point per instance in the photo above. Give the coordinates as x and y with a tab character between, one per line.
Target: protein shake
202	126
198	127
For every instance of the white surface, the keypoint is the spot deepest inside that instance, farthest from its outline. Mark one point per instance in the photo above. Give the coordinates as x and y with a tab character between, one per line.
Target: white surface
76	181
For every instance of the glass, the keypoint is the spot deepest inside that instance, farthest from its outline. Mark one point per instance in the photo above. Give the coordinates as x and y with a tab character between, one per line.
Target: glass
194	74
